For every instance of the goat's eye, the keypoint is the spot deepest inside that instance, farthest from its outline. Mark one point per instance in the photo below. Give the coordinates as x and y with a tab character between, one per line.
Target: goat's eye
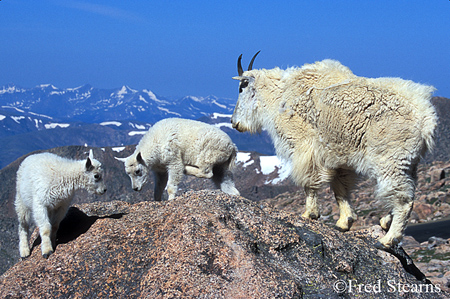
138	172
244	84
97	176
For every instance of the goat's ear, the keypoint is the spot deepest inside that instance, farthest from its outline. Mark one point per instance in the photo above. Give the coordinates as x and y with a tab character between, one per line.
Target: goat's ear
91	154
140	159
89	165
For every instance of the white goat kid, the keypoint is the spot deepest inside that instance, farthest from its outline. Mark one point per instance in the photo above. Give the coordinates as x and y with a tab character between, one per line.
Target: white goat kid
332	125
174	147
44	189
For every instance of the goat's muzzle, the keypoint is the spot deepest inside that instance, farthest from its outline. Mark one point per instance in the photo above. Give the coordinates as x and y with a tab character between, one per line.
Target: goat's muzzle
100	191
236	126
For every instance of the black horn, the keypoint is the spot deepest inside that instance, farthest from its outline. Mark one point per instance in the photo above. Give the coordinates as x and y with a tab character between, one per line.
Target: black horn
240	71
250	66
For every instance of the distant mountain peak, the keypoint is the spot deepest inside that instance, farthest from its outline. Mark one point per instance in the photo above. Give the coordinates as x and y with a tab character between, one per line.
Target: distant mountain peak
126	89
10	88
50	86
94	105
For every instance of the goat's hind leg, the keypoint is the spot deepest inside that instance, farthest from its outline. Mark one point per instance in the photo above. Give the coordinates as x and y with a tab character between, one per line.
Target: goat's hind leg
312	207
223	179
42	220
24	215
200	172
400	195
342	184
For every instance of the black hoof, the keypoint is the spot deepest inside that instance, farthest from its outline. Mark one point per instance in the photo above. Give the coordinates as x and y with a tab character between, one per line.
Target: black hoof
380	246
46	255
340	229
314	216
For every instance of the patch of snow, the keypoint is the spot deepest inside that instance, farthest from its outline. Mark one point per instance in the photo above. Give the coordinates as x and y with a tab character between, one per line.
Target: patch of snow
228	125
220	105
131	89
47	85
141	98
122	91
195	99
73	89
216	115
153	97
17	118
56	125
244	158
120	159
11	89
111	123
2	117
139	127
168	111
271	163
133	133
57	92
82	96
118	149
40	115
36	122
17	109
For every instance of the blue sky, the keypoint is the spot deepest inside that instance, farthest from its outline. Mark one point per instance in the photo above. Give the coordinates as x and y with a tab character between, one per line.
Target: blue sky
177	48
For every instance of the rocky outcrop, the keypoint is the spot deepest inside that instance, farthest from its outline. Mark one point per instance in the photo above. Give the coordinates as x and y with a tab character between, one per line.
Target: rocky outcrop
207	244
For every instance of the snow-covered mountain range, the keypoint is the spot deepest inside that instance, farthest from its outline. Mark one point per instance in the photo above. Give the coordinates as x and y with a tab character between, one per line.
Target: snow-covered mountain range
45	117
93	105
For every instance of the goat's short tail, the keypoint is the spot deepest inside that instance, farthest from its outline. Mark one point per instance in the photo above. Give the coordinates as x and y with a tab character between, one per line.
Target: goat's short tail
232	159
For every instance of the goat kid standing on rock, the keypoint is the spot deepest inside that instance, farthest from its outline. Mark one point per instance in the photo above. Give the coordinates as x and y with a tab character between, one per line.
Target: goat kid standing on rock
44	190
174	147
332	125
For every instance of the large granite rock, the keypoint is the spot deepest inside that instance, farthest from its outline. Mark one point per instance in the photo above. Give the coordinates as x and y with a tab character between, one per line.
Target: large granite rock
207	244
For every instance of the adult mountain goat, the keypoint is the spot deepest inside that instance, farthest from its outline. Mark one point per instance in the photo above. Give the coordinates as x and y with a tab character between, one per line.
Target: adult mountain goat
333	125
44	189
174	147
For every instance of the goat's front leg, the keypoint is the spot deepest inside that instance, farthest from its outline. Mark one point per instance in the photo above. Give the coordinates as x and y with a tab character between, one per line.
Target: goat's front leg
176	173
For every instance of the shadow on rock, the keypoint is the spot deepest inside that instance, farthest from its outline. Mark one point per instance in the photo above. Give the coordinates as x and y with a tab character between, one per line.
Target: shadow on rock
74	225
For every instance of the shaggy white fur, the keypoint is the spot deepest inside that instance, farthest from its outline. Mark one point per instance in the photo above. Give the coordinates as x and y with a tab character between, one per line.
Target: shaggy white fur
332	125
174	147
44	189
